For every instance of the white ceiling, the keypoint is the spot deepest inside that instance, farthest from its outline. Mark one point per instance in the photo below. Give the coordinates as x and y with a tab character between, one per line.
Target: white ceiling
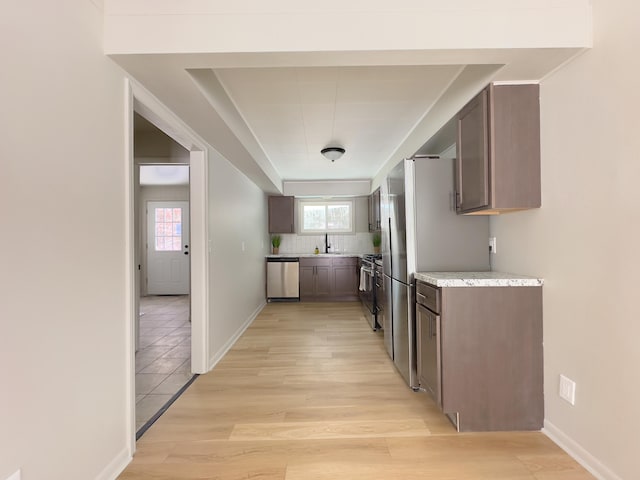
295	112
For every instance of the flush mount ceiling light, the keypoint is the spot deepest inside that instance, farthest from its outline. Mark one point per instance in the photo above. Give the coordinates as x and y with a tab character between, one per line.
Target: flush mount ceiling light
332	153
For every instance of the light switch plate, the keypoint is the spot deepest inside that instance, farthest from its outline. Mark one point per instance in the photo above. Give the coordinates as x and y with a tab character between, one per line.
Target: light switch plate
492	245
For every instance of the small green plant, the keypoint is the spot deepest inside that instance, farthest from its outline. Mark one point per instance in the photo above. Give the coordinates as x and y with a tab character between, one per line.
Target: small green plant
275	241
376	239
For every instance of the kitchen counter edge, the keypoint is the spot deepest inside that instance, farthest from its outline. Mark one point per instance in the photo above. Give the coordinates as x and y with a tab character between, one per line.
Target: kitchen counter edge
478	279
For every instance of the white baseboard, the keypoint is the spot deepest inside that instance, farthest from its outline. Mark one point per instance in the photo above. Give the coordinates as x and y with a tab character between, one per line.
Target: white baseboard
579	454
116	466
219	355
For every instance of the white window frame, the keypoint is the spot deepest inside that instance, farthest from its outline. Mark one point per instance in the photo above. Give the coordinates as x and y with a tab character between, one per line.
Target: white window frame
303	203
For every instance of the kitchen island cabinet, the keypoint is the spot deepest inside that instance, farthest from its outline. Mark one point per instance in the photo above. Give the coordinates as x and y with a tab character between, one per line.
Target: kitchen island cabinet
498	151
480	349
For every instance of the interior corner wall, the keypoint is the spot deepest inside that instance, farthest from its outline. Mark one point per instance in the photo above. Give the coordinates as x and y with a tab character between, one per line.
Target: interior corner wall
63	351
238	245
584	242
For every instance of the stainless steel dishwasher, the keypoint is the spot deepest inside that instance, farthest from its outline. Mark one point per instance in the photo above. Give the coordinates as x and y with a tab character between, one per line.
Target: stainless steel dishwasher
283	279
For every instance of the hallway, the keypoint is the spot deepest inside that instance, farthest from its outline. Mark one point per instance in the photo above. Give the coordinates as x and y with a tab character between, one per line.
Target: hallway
308	393
163	362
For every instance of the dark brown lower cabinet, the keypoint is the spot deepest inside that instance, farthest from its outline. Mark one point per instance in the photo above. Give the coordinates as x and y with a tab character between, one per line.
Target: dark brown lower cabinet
428	351
315	278
480	355
330	279
345	278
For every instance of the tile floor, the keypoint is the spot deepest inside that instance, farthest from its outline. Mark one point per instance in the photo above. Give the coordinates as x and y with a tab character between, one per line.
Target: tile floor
163	362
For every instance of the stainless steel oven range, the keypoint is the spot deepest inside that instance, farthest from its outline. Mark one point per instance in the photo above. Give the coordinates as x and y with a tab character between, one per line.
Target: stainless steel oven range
368	289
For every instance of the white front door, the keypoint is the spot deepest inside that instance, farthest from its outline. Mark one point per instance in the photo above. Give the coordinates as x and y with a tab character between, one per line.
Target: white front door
168	248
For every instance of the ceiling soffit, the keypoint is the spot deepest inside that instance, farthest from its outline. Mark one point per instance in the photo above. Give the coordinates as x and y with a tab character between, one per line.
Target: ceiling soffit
269	102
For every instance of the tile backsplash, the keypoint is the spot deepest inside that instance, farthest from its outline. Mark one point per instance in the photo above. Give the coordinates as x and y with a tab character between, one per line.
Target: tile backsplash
358	243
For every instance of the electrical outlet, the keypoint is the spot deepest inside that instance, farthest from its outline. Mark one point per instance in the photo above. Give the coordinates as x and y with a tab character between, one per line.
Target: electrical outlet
492	245
567	389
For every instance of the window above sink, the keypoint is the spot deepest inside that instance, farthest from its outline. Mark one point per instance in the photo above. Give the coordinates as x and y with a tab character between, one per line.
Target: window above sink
326	216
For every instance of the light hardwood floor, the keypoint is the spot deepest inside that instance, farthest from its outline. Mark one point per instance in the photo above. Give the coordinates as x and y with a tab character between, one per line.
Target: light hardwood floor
308	393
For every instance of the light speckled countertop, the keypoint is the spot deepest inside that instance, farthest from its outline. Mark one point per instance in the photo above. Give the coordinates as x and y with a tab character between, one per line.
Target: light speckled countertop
477	279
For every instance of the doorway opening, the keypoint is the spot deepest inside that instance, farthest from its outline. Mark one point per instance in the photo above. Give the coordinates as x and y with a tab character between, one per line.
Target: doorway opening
168	328
163	343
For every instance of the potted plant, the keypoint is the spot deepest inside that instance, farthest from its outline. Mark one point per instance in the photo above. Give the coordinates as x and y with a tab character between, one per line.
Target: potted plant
376	239
275	243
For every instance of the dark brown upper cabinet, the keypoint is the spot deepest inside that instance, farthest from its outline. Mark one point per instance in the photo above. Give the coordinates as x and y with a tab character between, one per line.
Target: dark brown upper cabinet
498	151
374	211
281	215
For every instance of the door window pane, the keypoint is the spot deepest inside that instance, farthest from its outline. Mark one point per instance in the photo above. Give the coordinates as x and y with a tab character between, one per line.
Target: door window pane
168	229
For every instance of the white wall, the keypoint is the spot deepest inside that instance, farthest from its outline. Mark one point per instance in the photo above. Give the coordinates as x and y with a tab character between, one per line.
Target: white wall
585	242
62	344
237	216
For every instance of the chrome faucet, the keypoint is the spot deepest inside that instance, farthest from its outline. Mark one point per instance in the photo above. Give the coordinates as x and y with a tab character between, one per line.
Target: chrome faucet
327	245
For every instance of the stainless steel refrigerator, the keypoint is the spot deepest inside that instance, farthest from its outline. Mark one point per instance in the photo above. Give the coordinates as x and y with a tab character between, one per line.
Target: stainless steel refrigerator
421	232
